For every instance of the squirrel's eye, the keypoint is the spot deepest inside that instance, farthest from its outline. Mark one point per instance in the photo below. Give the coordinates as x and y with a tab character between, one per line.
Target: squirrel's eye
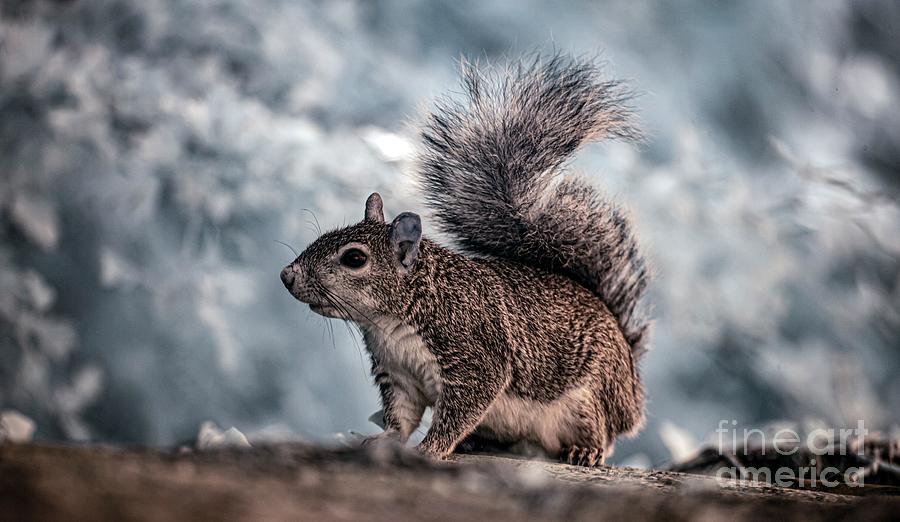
354	258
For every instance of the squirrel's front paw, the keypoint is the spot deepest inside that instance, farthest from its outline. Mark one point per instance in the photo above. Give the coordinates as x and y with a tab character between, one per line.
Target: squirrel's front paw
389	437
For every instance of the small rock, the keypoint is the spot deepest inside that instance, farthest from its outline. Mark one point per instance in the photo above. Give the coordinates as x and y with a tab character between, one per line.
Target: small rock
211	437
15	427
233	437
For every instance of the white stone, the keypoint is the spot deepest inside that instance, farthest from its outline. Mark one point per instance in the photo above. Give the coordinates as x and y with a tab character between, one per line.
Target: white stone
15	427
211	437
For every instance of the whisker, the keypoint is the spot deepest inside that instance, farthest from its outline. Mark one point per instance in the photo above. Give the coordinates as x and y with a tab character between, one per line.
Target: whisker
329	325
362	360
348	323
289	246
312	227
343	303
331	330
313	214
337	303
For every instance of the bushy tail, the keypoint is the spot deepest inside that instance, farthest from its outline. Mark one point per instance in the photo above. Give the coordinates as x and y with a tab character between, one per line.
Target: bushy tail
491	170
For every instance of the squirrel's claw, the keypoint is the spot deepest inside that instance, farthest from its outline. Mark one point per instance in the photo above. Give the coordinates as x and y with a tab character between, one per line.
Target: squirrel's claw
582	456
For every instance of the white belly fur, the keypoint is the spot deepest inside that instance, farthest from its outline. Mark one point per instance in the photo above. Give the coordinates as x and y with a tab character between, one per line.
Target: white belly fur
402	353
548	424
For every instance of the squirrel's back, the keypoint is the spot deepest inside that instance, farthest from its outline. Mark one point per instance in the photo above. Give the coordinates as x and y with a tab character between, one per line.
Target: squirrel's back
491	170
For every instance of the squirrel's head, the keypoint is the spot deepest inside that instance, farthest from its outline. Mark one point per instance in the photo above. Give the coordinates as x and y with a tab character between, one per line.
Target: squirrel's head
357	272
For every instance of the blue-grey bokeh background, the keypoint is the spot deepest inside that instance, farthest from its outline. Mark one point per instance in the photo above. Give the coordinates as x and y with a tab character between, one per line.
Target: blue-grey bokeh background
153	150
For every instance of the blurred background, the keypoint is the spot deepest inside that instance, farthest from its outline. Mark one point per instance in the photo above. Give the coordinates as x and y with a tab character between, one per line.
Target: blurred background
153	151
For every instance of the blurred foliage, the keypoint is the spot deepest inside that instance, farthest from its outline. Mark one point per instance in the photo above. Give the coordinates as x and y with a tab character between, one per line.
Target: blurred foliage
154	150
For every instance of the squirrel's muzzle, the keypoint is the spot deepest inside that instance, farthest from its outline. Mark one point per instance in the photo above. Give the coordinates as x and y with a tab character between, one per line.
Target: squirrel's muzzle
289	275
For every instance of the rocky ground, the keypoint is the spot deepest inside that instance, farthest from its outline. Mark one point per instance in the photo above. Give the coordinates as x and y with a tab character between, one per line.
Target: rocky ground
304	482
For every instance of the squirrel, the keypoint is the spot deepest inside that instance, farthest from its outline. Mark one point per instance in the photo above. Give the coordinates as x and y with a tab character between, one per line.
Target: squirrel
531	328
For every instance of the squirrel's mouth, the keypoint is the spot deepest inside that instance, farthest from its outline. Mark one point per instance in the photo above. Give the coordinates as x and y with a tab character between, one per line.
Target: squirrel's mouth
322	308
327	310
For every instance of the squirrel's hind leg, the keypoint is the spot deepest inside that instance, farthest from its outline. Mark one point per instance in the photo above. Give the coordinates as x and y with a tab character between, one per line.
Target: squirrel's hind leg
590	444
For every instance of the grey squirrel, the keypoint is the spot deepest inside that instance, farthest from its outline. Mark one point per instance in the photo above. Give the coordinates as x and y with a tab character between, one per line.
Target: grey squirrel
531	330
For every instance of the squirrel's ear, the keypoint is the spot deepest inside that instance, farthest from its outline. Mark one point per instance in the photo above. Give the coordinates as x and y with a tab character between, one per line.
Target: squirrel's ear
406	233
374	208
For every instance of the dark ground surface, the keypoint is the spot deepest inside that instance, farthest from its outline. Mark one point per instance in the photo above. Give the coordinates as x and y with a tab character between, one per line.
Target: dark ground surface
304	482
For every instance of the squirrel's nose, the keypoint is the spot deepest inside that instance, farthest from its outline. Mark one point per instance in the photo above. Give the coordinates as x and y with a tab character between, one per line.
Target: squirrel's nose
288	274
